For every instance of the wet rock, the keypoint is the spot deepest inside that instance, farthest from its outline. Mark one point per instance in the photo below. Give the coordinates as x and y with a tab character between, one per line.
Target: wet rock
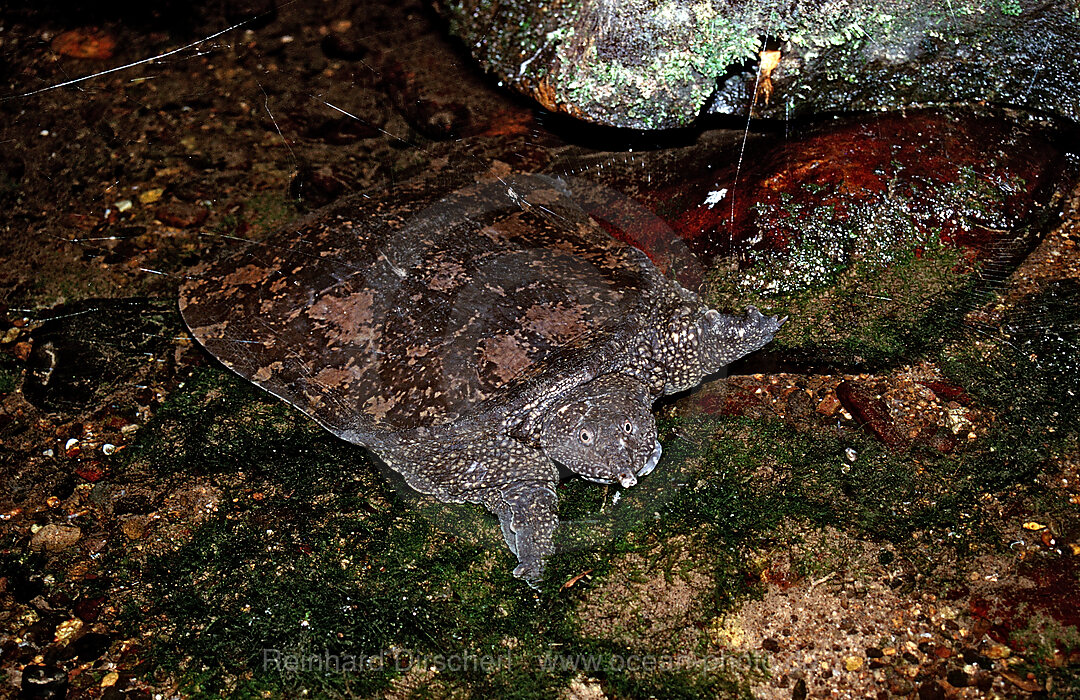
312	188
132	504
134	527
868	234
86	42
90	646
645	64
43	682
437	120
181	214
340	131
957	678
931	690
89	609
91	470
871	413
55	538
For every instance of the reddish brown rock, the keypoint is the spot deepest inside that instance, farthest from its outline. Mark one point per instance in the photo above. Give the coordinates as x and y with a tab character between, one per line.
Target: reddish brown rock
181	214
870	412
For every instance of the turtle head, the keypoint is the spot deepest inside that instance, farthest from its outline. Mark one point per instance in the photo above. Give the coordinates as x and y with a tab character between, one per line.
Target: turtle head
604	431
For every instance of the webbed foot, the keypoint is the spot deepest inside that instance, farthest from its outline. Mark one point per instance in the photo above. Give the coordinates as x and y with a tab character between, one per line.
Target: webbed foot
528	518
727	338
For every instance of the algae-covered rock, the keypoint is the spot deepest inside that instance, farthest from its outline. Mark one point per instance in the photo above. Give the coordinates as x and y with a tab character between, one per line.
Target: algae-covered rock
874	235
646	64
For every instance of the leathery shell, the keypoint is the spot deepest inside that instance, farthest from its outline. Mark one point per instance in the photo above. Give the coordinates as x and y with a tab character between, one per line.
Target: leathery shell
419	310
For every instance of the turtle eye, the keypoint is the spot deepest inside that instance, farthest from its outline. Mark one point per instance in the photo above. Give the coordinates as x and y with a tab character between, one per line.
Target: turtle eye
586	436
628	427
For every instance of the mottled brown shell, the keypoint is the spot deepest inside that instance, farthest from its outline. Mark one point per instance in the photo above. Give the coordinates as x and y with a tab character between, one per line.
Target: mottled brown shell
417	311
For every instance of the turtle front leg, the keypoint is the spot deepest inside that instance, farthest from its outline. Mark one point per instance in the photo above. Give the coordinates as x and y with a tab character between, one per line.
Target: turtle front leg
693	348
528	514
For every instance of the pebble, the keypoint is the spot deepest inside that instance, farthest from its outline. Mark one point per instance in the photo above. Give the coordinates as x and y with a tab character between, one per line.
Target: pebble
55	538
68	629
86	42
181	214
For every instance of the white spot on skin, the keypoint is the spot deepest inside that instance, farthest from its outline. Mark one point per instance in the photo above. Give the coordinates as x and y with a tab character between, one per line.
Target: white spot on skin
714	197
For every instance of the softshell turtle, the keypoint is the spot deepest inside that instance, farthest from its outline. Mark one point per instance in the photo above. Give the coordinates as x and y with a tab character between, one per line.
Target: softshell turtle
472	342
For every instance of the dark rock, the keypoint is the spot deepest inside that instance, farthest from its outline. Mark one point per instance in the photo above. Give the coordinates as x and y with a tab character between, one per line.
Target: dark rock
341	130
957	678
900	686
644	64
88	609
312	188
798	691
24	586
134	503
90	647
343	47
438	120
181	214
43	682
973	657
872	251
770	644
931	691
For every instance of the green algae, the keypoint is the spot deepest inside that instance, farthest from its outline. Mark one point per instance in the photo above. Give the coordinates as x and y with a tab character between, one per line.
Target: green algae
332	558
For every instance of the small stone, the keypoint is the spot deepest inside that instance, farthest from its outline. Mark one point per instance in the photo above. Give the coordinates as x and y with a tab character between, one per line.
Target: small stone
151	196
998	651
110	679
853	663
957	678
55	538
770	644
86	42
874	653
91	470
22	350
68	629
1033	526
88	609
43	681
181	214
91	647
343	47
134	528
931	691
828	405
900	686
